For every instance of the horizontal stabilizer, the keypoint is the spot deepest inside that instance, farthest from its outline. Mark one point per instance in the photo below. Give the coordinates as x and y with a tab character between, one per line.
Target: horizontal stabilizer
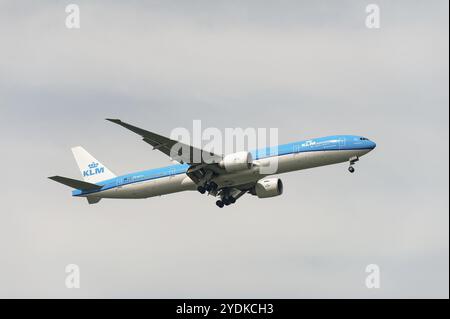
74	183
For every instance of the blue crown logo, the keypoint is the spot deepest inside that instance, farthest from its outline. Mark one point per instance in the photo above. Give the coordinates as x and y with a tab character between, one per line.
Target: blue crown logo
93	165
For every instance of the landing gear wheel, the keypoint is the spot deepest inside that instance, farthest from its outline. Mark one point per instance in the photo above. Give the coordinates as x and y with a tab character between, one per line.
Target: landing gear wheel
226	201
351	169
232	200
213	186
208	187
219	203
201	189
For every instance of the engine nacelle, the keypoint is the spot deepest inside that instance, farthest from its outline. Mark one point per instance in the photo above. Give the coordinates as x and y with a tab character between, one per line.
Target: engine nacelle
237	162
268	187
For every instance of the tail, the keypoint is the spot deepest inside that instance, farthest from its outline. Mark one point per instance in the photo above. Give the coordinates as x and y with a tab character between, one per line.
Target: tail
92	170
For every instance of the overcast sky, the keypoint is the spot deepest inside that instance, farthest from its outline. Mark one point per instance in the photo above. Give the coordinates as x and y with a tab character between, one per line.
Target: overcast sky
310	69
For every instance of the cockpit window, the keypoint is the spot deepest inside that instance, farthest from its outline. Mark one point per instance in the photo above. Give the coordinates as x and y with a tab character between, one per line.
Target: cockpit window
363	139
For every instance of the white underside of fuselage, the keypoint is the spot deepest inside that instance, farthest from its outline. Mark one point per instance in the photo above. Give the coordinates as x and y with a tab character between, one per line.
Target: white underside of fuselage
181	182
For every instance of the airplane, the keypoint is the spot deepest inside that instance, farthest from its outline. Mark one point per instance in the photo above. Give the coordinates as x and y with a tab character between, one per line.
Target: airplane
225	177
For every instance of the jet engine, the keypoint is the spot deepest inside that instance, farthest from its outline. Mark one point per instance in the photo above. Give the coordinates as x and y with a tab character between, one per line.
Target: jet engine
268	187
237	162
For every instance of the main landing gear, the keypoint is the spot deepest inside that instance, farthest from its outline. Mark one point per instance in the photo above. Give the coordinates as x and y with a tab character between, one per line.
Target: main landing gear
227	196
353	160
220	204
225	201
201	189
209	187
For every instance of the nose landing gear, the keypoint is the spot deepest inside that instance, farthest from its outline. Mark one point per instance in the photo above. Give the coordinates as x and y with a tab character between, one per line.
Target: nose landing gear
353	160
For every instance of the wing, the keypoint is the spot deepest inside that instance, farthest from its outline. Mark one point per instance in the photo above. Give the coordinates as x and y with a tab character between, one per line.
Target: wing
178	151
203	164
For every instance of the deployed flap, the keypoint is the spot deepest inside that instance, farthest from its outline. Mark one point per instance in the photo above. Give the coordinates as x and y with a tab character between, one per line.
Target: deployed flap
178	151
74	183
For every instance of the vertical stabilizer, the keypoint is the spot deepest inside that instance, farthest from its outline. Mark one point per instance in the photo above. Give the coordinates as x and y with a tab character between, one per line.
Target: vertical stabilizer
92	170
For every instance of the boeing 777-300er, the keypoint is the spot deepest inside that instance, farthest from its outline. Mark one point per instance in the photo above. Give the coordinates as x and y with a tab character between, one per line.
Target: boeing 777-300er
226	177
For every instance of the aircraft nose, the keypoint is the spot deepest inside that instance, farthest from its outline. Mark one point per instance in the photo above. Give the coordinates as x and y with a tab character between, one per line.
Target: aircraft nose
372	145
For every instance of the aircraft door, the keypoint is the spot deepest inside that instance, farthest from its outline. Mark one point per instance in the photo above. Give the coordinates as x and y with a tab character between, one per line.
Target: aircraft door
342	143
